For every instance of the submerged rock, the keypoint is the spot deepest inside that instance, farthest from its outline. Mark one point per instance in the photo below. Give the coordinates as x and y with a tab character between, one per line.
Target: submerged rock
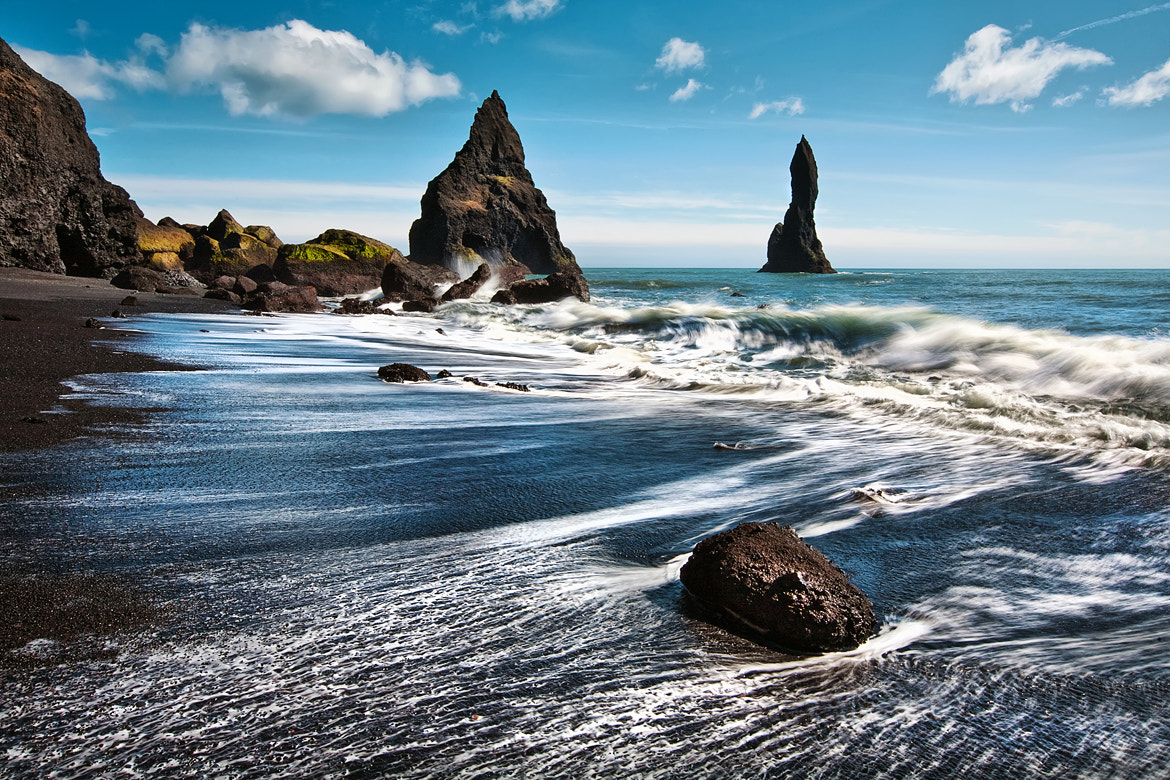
769	585
57	212
793	246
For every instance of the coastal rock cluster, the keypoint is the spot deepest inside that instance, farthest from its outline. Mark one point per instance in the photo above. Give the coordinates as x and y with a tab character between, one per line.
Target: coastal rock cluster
57	212
793	246
482	216
764	582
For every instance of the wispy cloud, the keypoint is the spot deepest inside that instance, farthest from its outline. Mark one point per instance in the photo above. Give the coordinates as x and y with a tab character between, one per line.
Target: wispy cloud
447	27
88	78
686	92
527	10
1115	19
297	70
791	106
679	55
1065	101
1146	91
991	71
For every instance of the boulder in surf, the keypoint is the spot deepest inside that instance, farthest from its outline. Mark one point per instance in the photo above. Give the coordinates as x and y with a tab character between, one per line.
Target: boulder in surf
761	581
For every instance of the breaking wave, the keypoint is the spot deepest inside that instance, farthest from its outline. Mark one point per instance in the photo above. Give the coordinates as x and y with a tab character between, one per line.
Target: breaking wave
1107	394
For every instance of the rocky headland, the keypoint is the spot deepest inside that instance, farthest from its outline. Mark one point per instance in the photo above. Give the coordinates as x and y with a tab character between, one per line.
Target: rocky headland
793	246
57	212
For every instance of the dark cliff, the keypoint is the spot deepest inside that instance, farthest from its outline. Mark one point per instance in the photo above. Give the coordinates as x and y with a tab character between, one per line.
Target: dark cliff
57	212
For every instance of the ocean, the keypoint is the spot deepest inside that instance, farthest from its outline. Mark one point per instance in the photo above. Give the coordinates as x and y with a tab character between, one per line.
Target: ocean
459	580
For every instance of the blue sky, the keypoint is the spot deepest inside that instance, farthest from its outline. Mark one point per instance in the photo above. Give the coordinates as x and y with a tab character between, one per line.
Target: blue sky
963	134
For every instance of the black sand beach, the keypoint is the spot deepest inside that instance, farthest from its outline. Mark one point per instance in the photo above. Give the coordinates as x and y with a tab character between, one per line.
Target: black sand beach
43	343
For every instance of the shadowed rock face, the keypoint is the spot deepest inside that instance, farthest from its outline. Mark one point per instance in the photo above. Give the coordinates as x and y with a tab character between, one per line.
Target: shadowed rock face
57	212
485	207
793	246
767	584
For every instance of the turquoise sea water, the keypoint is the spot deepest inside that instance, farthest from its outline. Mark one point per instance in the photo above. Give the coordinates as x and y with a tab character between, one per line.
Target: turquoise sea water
449	580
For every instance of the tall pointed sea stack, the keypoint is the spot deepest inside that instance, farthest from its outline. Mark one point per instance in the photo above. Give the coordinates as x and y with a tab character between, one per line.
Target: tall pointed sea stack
794	246
485	207
57	212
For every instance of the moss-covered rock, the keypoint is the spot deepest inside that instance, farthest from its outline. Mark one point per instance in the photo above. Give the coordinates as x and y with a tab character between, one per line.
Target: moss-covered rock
337	262
164	238
224	225
164	261
265	234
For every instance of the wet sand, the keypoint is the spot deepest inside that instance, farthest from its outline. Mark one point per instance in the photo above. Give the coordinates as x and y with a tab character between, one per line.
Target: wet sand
43	343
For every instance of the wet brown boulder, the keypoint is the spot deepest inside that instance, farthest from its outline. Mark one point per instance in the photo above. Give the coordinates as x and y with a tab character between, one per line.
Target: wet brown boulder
764	582
139	278
552	288
278	297
469	286
485	207
402	372
407	281
793	246
57	212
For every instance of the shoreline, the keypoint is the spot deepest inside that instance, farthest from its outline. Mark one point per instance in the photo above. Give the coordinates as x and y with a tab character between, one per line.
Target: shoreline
44	343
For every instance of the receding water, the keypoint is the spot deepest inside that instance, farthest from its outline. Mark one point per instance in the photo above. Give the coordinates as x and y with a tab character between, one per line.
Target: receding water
444	580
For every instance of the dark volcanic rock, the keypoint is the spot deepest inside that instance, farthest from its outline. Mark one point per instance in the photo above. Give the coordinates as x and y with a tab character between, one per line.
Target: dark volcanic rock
278	297
402	372
773	587
793	246
554	287
140	279
358	306
469	286
407	281
485	206
57	212
337	262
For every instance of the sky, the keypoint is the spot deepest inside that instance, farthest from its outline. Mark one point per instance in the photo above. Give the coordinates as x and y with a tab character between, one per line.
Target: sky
947	135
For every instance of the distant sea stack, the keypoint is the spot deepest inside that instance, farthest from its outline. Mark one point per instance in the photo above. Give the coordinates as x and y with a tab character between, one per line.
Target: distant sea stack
793	246
485	207
57	212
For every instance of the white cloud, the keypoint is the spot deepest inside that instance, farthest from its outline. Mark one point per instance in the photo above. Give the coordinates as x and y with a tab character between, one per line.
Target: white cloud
450	28
526	10
678	55
791	106
991	71
686	92
295	69
1067	100
85	77
151	44
1147	90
